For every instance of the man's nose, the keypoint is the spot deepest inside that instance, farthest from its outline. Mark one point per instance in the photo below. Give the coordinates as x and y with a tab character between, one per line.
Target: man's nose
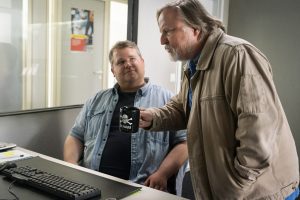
127	63
163	39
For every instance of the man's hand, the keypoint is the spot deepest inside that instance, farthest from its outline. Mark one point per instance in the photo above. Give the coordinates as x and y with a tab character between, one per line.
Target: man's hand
146	118
157	181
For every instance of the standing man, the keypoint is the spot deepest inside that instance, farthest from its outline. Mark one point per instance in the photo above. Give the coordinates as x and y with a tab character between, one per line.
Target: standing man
145	157
239	140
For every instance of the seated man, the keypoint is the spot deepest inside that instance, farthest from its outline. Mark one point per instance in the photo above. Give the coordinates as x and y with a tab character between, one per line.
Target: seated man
95	140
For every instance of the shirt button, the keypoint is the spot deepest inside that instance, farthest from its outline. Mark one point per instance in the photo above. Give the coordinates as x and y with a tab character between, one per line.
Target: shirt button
104	139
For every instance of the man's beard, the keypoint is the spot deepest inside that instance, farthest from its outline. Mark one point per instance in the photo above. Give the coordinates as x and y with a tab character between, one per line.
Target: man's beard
172	53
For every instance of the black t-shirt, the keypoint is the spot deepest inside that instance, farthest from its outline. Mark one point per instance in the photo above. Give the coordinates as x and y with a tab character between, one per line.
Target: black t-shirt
116	157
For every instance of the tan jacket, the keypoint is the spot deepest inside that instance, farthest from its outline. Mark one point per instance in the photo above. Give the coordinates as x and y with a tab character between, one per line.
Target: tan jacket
239	141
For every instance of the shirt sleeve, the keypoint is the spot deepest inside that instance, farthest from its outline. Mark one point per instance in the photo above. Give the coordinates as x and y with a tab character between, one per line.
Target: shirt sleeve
179	136
79	126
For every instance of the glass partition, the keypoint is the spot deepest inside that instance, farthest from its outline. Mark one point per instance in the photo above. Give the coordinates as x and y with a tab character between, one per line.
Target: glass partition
54	52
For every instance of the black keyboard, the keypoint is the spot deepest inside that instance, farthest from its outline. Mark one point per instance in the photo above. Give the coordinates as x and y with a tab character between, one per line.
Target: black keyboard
51	183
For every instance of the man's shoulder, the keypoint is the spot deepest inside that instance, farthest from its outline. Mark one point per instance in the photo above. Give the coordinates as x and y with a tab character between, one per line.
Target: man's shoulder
160	89
233	41
101	95
154	96
239	44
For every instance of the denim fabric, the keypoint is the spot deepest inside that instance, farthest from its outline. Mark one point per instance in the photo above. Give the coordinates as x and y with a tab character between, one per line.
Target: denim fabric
294	195
148	149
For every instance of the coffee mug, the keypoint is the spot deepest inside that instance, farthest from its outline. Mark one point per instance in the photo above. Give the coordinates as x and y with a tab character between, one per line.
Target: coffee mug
129	119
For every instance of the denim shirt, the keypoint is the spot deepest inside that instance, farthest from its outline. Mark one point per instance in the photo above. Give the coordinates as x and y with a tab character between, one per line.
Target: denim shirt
148	149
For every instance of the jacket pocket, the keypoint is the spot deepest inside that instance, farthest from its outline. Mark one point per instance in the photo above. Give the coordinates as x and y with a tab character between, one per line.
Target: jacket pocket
252	98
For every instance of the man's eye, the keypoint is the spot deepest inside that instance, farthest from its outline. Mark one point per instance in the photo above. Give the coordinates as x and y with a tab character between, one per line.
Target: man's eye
168	32
165	32
121	62
132	59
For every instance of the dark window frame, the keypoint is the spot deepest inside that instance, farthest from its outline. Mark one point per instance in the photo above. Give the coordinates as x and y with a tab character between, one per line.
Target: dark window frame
132	25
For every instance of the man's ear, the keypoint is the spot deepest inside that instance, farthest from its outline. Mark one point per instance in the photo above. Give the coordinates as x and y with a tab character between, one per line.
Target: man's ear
197	31
112	71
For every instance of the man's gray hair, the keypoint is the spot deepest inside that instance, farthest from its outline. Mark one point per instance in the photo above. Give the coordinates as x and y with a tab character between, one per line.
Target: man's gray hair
194	15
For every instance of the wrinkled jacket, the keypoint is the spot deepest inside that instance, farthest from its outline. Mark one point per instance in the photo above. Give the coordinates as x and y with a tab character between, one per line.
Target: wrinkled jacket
239	141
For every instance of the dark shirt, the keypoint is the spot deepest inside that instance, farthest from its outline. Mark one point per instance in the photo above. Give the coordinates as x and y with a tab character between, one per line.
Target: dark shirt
117	152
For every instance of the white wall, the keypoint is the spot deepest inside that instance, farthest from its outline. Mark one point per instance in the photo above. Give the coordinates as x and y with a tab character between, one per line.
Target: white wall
158	66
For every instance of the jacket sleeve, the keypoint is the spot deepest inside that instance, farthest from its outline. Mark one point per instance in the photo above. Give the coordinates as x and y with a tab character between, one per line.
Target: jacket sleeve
171	116
251	93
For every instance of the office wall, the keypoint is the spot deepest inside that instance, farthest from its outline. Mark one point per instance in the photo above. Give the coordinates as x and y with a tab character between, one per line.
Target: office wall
273	26
43	132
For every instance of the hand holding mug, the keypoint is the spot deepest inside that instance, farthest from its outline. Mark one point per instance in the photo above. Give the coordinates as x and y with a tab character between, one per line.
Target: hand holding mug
146	118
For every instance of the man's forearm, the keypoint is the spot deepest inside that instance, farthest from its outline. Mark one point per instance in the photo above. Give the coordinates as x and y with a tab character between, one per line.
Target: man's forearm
174	160
73	149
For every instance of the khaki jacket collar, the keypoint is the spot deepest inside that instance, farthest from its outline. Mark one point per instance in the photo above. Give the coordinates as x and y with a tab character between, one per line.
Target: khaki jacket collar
208	50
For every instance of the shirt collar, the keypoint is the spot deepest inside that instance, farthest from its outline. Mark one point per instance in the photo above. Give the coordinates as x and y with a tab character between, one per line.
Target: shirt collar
142	91
208	50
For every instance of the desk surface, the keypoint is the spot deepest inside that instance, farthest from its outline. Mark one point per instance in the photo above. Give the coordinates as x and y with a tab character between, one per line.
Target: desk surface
145	193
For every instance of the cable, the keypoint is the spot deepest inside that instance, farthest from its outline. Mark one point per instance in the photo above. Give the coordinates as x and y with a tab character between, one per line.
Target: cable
11	192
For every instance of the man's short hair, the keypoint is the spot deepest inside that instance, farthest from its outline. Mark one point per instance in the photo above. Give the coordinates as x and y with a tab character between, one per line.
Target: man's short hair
122	45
